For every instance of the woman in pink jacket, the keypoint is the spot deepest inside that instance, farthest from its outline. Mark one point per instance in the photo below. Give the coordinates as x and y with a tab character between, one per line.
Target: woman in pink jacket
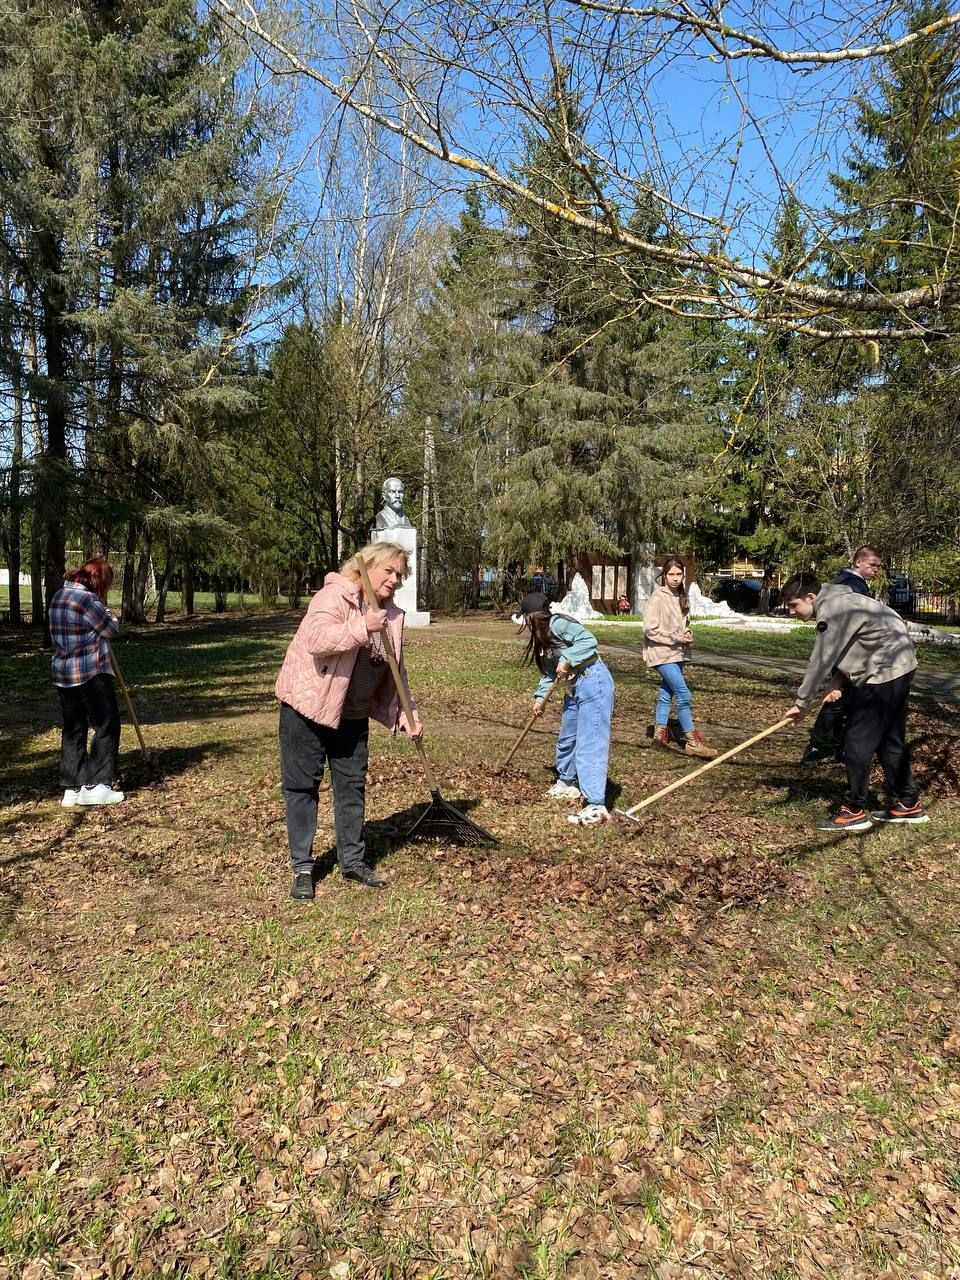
334	677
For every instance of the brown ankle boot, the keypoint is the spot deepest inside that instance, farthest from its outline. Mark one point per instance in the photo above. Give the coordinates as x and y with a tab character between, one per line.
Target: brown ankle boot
662	737
697	747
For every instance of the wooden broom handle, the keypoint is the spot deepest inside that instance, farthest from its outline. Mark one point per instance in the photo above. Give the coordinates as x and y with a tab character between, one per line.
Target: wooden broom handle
127	699
529	725
397	678
711	764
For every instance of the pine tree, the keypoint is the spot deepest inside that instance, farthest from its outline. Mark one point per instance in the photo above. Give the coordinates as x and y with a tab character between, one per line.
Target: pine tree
899	203
604	453
133	214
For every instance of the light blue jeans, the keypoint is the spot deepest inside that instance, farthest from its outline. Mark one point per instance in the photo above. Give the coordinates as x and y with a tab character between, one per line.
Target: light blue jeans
673	685
583	746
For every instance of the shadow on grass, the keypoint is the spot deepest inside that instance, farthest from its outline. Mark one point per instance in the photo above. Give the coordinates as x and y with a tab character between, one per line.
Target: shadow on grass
883	885
36	781
384	835
15	867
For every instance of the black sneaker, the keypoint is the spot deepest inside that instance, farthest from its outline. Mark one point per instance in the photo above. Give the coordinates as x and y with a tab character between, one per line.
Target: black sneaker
813	756
366	876
846	820
302	887
900	812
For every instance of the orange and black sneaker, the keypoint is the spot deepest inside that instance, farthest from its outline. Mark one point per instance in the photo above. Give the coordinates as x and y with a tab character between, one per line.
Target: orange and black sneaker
846	820
901	812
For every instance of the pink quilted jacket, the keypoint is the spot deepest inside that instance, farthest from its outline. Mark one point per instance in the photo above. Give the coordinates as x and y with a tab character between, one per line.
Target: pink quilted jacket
319	662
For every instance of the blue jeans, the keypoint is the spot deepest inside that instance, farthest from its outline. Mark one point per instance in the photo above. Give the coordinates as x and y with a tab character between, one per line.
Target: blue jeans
673	685
583	746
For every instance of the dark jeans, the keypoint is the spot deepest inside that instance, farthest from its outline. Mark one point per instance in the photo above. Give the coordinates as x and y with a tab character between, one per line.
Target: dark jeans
305	747
92	705
877	725
831	723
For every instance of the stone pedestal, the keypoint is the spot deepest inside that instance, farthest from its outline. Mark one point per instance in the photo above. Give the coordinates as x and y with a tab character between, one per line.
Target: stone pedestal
406	597
645	576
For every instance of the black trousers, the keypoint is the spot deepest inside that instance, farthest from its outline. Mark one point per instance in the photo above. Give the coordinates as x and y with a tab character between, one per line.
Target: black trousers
877	725
92	705
305	747
831	722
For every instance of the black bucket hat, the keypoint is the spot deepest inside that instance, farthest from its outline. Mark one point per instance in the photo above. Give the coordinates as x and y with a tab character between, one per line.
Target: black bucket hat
533	602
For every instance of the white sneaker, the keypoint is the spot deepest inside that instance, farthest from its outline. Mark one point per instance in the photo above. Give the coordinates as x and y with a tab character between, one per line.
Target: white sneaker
100	794
70	798
563	791
588	816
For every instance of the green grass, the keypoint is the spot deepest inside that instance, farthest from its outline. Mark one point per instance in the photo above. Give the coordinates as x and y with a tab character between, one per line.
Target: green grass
714	1043
203	602
785	642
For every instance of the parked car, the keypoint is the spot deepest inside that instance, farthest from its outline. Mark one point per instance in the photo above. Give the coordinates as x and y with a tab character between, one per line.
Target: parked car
743	594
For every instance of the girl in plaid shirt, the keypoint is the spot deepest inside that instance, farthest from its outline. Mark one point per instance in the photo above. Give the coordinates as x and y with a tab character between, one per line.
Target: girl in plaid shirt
81	626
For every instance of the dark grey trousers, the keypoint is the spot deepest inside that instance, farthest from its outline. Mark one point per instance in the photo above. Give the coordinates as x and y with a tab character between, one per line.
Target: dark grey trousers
92	705
305	747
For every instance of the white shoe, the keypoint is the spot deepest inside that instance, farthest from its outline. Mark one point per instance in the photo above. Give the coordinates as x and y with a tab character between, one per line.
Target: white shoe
70	798
588	816
563	791
100	794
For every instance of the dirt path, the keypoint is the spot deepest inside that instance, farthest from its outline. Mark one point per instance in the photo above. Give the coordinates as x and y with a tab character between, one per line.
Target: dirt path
942	685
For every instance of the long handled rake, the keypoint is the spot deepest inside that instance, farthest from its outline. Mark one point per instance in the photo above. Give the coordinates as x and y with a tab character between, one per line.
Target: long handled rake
439	819
529	725
689	777
124	689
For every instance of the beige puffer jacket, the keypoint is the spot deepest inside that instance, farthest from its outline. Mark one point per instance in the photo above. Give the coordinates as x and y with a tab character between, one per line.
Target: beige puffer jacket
664	624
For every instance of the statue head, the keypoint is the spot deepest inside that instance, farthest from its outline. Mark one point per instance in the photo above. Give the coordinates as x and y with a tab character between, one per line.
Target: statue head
393	492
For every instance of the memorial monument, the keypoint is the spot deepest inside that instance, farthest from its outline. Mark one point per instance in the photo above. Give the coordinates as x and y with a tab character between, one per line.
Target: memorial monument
392	515
393	525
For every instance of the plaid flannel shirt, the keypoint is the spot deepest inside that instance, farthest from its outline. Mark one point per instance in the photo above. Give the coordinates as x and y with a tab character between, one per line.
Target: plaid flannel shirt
80	626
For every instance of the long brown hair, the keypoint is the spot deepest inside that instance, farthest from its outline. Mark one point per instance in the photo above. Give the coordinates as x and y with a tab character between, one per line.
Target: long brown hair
674	562
541	643
96	575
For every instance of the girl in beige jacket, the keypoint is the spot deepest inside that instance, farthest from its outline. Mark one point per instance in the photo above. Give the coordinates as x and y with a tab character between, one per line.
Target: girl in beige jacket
666	647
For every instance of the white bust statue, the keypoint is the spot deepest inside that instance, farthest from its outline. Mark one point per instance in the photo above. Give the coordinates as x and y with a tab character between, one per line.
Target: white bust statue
391	514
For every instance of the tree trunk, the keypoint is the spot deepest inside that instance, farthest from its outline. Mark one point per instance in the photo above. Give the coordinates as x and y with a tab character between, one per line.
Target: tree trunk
36	572
162	581
52	471
424	575
14	547
127	610
186	594
141	578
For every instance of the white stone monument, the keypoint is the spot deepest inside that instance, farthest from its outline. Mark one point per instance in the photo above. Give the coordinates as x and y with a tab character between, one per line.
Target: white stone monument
576	603
392	525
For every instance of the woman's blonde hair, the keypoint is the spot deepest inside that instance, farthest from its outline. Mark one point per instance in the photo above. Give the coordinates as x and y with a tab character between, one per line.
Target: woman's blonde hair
375	554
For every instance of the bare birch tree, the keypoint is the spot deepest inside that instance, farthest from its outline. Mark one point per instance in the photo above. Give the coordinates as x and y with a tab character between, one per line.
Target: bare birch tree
711	115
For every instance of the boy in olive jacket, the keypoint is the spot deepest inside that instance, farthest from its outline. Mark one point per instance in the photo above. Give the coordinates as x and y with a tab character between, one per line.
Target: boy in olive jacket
860	639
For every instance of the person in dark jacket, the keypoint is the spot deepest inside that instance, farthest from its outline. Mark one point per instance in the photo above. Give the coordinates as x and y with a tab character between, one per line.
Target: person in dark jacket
826	736
81	627
862	641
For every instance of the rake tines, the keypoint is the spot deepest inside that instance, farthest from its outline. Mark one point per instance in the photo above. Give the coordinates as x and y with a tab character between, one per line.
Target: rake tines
443	821
440	819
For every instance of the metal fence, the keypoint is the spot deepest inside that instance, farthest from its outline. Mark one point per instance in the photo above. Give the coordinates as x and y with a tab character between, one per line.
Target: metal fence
927	606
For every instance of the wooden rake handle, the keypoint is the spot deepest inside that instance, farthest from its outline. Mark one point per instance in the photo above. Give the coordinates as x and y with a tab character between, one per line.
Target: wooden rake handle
711	764
127	699
530	723
397	677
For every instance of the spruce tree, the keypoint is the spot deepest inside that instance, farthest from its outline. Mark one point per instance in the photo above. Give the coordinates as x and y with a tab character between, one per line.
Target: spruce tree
898	199
605	449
